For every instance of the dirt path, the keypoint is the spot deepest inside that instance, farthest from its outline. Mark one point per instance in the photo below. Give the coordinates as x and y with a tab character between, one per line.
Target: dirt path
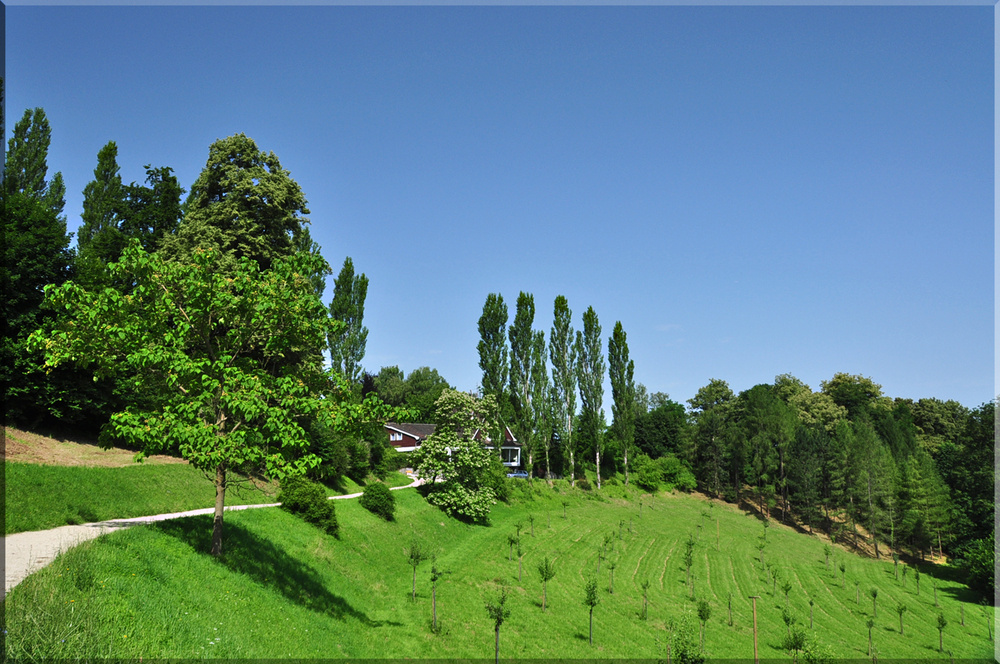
26	553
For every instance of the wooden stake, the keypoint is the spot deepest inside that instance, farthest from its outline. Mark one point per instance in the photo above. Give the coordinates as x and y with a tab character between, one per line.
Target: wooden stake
756	660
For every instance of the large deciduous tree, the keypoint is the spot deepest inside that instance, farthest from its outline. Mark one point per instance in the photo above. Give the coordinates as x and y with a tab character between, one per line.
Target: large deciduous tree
622	370
562	353
456	465
424	386
347	344
243	205
152	210
590	369
209	345
857	394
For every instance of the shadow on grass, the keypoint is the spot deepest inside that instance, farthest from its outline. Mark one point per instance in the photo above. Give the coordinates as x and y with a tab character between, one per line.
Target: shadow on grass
245	552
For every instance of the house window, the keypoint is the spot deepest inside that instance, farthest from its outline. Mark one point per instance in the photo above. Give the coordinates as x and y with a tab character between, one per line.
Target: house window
394	436
510	456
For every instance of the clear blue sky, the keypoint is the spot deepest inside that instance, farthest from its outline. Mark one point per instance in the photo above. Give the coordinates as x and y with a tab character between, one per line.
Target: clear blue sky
750	190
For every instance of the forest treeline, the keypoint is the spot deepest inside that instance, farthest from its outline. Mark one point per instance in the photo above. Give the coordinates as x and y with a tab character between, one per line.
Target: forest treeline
909	474
243	207
887	474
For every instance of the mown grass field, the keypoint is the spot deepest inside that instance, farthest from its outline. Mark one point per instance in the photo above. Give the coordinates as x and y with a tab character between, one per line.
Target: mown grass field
40	496
283	589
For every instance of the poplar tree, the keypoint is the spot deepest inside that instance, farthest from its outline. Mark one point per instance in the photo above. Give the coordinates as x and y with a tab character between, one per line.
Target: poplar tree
541	401
521	338
26	162
347	344
492	349
562	353
621	370
590	369
99	240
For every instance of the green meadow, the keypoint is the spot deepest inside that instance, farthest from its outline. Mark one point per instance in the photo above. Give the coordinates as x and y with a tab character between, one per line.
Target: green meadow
284	589
80	494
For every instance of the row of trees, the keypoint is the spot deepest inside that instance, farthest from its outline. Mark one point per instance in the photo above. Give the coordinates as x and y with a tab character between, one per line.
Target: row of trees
194	328
542	410
869	469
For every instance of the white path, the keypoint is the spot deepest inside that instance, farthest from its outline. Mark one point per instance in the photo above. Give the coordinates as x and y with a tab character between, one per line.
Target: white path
26	553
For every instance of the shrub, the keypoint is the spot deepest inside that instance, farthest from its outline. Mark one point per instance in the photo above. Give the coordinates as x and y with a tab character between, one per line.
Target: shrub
583	484
308	500
649	477
386	460
676	473
378	500
496	479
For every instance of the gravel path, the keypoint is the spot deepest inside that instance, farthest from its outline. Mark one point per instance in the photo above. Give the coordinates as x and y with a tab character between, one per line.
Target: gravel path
25	553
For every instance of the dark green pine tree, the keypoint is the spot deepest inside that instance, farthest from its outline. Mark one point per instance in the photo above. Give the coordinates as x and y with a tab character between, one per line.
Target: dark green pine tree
347	345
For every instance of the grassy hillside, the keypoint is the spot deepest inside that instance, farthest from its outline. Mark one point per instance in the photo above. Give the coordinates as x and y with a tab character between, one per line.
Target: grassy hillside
42	496
69	482
283	589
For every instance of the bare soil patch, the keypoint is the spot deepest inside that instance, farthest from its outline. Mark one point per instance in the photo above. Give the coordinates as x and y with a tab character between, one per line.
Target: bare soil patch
27	447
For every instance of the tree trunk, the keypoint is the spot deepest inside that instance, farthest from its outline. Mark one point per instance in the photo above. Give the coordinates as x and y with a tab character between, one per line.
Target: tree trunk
497	660
548	470
434	608
591	625
572	469
598	468
544	594
220	505
413	596
626	465
531	465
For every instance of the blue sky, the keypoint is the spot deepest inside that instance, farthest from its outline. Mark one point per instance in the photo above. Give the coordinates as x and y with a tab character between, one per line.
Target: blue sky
750	190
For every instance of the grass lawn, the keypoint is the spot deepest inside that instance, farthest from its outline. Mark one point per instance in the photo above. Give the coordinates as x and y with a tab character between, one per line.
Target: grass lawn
39	497
284	589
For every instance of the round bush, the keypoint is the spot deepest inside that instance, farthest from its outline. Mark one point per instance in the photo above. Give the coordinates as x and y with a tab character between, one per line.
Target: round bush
378	500
308	500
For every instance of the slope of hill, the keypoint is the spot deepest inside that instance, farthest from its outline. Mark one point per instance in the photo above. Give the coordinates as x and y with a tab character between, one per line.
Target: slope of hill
284	589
